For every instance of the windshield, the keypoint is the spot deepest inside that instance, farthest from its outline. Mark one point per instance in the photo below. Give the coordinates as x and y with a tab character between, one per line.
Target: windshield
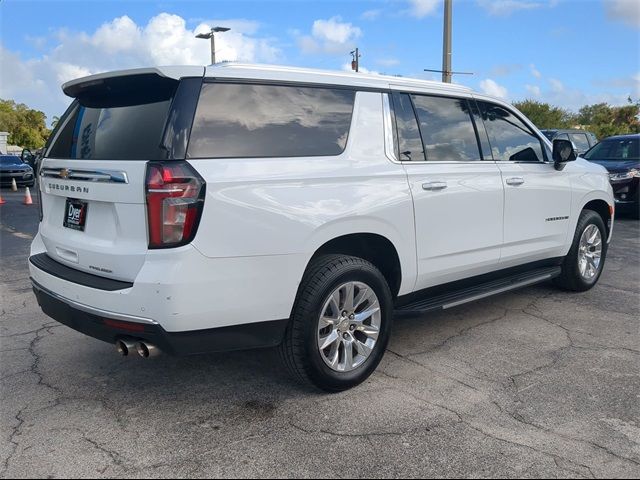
615	150
10	160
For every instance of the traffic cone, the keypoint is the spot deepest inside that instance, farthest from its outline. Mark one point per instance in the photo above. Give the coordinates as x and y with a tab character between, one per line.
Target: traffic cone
2	201
14	187
27	197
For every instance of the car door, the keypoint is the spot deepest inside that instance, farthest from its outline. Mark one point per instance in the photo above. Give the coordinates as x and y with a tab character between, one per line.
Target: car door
458	198
537	197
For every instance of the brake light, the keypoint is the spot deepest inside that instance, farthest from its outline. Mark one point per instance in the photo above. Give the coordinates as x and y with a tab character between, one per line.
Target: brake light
175	197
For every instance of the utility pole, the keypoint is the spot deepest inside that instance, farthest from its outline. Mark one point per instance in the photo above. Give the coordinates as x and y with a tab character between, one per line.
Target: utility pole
355	63
446	43
211	35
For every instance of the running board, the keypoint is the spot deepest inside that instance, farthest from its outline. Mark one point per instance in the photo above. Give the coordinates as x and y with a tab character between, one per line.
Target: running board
477	292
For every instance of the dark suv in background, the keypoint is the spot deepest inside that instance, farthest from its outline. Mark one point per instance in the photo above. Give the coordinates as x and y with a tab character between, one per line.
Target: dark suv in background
620	155
582	140
13	168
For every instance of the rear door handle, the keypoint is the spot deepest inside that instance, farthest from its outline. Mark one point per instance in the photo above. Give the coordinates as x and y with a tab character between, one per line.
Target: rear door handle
515	181
434	186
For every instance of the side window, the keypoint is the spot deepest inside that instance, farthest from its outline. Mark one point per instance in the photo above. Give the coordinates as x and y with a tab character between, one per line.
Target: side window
447	129
409	142
511	140
243	120
562	136
580	141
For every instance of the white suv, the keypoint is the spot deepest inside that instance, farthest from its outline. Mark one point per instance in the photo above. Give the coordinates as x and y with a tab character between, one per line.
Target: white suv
192	209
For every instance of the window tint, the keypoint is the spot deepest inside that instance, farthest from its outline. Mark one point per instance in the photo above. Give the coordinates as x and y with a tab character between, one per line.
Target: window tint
447	130
119	133
511	140
234	120
580	141
409	141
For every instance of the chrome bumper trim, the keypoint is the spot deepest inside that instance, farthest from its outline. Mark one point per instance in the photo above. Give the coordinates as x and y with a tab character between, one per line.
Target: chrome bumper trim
92	310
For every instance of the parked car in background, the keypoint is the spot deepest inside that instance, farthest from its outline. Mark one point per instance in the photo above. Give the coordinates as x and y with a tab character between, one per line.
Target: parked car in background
620	155
191	209
12	167
582	140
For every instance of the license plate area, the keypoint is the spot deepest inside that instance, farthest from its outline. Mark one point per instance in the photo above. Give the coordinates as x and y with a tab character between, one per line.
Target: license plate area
75	214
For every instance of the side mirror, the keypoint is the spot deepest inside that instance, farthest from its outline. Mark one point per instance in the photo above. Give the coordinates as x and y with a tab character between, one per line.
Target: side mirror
563	152
26	156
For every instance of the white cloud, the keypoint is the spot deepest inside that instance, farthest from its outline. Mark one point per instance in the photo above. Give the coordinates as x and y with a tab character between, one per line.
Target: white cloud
347	68
556	85
534	71
119	44
490	87
422	8
627	11
533	90
371	14
507	7
330	36
388	62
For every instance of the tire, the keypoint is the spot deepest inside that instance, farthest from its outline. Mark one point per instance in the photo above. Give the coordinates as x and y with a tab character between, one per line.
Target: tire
571	277
301	349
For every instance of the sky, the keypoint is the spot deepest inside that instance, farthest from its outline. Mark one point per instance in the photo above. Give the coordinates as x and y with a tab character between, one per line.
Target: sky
565	52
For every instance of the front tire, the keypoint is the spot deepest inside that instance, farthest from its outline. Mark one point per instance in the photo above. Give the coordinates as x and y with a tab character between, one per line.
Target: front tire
340	324
583	265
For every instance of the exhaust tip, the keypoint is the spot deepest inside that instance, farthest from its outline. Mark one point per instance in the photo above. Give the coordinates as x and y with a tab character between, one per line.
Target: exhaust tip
124	347
146	350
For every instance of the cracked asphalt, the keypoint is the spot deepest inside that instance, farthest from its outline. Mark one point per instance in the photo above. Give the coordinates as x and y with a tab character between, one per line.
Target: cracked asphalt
534	383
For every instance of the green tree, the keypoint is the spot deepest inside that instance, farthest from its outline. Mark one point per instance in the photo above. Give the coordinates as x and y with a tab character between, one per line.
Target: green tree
27	127
544	115
605	120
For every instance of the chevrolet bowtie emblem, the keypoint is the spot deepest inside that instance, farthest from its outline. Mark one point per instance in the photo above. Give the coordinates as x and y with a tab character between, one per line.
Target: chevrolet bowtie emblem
64	173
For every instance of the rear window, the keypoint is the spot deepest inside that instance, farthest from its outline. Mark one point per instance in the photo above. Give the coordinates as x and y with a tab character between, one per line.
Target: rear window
580	141
130	132
242	120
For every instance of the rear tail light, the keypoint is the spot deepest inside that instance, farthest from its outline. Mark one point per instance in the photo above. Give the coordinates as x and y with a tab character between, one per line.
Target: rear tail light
175	198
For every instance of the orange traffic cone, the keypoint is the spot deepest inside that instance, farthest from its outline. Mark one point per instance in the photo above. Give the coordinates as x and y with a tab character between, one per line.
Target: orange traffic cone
14	187
2	201
27	197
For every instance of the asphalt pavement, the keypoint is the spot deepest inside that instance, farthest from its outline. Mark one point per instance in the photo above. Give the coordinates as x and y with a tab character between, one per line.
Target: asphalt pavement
533	383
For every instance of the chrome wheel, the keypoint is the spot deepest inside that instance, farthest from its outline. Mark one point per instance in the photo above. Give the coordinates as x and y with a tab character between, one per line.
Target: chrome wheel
590	252
349	326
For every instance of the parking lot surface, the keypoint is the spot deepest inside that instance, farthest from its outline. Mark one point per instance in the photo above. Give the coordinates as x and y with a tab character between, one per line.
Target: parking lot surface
533	383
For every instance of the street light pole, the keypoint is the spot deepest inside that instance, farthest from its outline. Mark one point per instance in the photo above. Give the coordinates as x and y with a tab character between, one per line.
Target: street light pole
211	35
446	43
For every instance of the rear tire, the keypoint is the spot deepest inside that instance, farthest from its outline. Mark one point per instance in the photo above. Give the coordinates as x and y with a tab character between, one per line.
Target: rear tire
355	339
583	265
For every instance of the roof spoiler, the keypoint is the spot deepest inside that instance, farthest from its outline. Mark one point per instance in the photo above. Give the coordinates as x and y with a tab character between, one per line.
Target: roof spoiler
146	84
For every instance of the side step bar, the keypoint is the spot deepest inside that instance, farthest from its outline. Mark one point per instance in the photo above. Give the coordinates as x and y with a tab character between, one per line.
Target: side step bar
477	292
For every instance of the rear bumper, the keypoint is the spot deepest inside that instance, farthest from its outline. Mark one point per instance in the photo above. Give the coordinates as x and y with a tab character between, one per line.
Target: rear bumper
110	326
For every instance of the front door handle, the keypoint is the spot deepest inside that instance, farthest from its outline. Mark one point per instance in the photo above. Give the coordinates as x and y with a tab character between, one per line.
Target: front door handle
515	181
434	186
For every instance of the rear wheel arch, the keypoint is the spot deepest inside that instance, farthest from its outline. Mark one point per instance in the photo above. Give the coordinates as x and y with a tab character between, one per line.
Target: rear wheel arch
374	248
